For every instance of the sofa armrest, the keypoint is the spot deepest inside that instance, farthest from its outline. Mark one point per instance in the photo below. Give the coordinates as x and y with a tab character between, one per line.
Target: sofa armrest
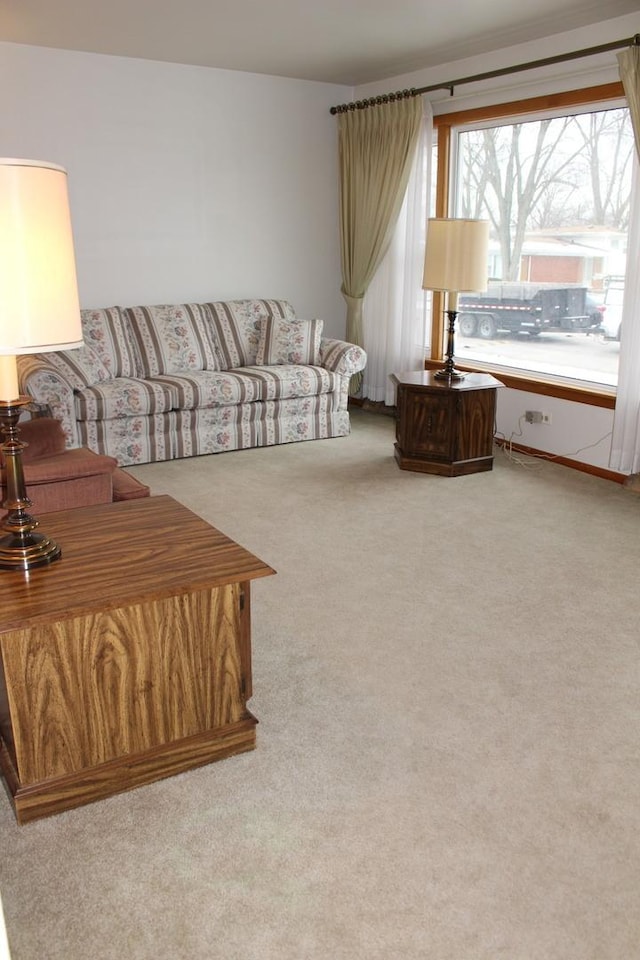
40	380
342	357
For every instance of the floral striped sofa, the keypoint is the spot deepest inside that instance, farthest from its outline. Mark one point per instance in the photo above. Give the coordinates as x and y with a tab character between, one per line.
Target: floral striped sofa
168	381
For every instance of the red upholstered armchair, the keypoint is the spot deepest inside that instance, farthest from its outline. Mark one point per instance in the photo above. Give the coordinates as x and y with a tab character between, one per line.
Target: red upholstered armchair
59	479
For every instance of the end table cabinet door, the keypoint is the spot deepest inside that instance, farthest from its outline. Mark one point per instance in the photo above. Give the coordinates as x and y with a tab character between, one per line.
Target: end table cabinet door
476	419
424	424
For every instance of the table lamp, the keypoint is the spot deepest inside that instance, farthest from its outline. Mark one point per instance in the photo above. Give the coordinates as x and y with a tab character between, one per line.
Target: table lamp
455	262
39	312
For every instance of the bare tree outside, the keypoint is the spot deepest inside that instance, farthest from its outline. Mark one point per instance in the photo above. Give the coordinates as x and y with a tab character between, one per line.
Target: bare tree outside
608	151
566	171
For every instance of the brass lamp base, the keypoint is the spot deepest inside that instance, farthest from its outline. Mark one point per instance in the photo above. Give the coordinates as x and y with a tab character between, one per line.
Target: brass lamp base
449	371
20	548
27	551
449	374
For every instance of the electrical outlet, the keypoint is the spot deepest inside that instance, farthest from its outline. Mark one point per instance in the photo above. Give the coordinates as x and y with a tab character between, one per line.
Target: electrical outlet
533	416
546	418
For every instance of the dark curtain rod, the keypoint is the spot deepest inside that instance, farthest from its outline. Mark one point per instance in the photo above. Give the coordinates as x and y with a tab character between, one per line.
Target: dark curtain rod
451	84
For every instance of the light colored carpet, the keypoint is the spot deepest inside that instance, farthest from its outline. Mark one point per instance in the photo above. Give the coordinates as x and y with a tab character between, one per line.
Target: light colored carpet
446	674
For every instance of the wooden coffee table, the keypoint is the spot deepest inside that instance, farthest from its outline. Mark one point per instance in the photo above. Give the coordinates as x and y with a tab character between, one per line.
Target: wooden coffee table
126	661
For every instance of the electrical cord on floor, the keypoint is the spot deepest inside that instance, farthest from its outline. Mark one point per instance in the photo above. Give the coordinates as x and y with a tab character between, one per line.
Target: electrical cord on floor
530	460
506	447
556	456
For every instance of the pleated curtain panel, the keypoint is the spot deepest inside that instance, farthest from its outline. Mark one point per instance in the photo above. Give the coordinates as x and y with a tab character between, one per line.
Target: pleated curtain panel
377	146
625	444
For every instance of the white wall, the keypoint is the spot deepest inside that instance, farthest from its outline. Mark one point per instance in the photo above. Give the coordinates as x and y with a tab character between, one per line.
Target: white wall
580	432
575	431
186	183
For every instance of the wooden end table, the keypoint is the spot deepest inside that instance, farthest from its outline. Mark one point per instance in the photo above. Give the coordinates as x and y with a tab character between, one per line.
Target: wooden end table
445	426
126	661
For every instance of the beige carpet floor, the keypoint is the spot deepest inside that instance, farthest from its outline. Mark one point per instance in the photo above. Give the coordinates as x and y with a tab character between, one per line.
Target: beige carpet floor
446	674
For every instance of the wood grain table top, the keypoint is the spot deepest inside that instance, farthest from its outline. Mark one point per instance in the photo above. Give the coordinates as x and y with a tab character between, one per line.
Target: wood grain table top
428	379
123	553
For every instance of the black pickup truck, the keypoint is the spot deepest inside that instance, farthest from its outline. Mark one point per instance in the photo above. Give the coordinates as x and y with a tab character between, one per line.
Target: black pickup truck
524	307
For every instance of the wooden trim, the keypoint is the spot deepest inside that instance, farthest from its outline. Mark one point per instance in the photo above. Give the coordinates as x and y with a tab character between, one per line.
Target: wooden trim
578	393
126	773
552	101
441	210
564	461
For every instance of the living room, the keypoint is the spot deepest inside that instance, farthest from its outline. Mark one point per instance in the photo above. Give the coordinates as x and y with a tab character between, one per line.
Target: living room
245	166
193	183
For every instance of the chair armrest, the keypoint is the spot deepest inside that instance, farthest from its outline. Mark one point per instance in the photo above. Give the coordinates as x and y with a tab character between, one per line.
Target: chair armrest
40	380
342	357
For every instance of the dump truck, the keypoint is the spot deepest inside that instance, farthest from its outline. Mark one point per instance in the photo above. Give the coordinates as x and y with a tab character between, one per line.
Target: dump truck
525	307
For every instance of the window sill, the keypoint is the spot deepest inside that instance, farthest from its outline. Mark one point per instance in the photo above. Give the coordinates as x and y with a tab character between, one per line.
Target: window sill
592	394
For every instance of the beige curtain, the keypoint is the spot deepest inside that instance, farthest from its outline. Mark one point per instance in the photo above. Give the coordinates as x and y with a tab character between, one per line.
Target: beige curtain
625	442
377	145
629	68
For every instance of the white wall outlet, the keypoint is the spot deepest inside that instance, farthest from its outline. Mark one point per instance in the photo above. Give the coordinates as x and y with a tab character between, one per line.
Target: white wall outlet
546	418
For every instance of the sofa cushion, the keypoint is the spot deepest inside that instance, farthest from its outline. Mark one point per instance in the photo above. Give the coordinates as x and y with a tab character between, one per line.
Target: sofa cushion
77	462
247	425
137	439
173	338
107	332
289	341
237	324
74	478
243	385
80	367
123	397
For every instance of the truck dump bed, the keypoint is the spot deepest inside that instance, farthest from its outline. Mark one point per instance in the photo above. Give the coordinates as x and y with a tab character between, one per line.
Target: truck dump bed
523	307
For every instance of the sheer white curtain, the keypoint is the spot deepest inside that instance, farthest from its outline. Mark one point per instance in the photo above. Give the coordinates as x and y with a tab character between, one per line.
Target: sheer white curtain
625	443
394	314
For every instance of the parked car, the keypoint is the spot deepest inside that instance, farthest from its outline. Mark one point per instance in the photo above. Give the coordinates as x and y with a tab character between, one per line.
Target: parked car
595	310
611	324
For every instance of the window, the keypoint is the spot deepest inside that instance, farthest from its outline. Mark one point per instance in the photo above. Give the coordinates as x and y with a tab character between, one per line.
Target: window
555	186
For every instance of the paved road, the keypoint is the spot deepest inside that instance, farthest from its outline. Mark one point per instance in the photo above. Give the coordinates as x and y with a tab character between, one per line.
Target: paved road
574	355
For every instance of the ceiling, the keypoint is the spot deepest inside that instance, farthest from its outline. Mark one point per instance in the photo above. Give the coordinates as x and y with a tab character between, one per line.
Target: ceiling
349	43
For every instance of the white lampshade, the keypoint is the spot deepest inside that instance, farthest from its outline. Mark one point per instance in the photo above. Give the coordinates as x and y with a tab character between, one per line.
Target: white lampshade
456	255
39	306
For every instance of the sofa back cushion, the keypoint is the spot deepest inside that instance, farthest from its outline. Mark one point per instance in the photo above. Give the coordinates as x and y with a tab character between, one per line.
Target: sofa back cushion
289	341
107	332
173	338
237	325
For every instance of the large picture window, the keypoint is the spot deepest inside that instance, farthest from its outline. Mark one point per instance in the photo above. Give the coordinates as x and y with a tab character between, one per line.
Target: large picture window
555	185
